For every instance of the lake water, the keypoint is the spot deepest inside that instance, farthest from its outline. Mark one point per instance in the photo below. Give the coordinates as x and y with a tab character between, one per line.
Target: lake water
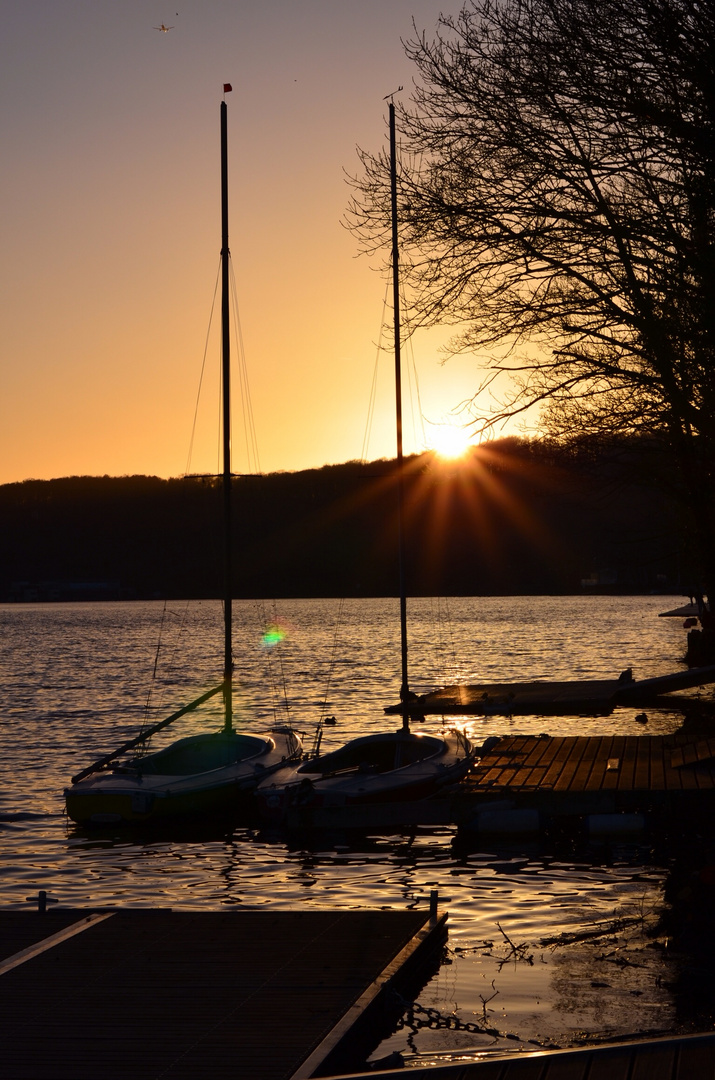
79	679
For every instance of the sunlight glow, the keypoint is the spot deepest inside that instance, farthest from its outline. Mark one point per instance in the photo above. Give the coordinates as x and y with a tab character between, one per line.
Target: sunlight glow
449	441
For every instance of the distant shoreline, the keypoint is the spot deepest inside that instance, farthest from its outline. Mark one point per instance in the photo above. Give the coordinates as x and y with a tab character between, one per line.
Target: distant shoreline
514	519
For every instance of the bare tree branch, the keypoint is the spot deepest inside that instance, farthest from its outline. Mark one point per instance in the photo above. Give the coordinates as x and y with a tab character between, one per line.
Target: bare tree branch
557	206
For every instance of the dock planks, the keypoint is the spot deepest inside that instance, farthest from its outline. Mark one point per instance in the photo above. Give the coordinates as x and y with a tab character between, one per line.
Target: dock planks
625	763
181	995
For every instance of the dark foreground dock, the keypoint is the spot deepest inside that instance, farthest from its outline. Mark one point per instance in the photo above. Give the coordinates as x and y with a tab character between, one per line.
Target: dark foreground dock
691	1057
182	995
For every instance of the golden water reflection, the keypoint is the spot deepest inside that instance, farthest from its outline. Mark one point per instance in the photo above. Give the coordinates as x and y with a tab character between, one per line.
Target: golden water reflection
75	681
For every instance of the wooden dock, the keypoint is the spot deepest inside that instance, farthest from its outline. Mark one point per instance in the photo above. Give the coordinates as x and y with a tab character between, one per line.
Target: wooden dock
184	995
592	775
595	697
523	782
611	763
690	1057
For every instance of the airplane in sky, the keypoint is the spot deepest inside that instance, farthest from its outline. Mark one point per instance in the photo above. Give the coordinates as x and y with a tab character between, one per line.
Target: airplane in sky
164	29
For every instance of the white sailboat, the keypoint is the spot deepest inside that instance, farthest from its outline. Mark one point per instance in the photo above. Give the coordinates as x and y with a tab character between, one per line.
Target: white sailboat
199	774
389	766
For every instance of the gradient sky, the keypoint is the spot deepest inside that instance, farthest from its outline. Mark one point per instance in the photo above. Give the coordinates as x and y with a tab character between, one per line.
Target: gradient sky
111	234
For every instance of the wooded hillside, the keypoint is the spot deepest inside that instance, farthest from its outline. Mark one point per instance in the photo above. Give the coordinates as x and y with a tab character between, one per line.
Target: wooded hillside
517	517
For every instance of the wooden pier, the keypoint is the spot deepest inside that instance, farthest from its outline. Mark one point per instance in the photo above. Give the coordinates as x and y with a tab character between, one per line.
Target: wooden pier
183	995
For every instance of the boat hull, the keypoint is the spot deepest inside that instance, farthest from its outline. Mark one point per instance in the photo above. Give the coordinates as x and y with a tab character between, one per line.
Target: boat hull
376	769
146	790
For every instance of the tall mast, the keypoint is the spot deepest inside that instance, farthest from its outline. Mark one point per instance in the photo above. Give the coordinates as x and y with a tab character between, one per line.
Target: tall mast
404	689
226	394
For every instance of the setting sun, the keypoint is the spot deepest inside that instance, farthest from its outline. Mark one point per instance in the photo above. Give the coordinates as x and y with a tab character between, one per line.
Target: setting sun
449	441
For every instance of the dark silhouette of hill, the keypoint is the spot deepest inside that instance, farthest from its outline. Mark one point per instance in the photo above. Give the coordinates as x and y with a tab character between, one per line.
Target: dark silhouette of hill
515	517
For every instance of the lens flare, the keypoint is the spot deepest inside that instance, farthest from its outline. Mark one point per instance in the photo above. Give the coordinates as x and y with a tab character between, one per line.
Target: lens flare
274	634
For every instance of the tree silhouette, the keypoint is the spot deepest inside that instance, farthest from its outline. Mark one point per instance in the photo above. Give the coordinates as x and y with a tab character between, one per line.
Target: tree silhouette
557	202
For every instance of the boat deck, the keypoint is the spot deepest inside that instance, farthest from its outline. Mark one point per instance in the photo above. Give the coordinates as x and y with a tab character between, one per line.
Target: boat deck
183	995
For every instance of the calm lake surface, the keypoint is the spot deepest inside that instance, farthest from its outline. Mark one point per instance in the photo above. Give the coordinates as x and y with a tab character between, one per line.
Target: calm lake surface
79	679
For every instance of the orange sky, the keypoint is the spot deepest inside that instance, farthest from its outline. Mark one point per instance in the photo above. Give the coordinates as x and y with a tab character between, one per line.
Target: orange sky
110	234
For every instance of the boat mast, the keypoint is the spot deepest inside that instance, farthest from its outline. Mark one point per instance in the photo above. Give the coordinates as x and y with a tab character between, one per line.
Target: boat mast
404	688
226	394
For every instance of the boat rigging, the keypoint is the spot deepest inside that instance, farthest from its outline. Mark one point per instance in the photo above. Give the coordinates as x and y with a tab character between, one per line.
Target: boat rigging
199	774
388	766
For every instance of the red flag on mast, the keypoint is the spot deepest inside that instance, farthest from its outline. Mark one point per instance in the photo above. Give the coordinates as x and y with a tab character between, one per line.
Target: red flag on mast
226	87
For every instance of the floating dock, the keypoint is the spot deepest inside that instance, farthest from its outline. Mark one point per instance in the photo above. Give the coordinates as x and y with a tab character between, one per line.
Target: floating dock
589	764
591	775
596	697
152	994
522	783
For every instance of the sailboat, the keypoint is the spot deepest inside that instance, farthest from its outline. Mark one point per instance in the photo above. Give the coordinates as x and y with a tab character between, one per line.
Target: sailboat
199	774
389	766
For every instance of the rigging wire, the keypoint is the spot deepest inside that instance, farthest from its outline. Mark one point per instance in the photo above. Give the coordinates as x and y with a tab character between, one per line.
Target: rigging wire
148	705
453	647
412	376
203	369
273	682
373	387
413	383
152	684
249	425
445	629
284	686
270	672
333	654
